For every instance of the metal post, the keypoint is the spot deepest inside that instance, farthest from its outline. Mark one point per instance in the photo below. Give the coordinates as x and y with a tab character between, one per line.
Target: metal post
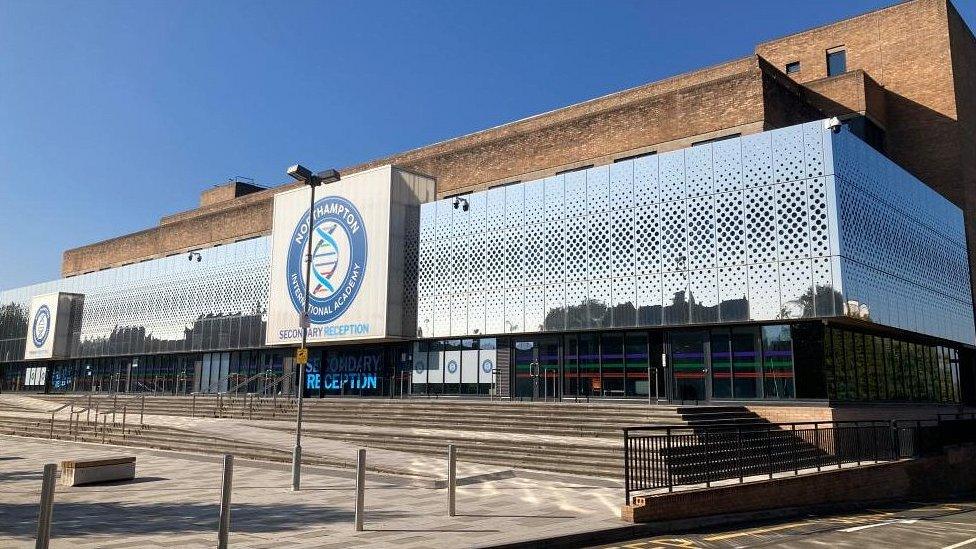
708	461
225	489
142	410
193	405
296	463
104	419
47	507
52	426
649	381
451	479
670	457
360	488
88	413
123	422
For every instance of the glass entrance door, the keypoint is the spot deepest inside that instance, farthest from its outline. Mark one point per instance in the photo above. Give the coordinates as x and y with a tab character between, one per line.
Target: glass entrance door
689	370
537	369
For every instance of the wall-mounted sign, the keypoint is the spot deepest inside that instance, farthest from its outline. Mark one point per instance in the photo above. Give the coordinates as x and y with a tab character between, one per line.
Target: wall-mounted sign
358	233
49	325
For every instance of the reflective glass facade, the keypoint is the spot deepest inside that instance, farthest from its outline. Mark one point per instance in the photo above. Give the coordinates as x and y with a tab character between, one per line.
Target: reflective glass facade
772	266
793	223
167	305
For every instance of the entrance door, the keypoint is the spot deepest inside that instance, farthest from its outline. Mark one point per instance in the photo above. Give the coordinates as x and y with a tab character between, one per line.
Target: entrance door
689	369
537	369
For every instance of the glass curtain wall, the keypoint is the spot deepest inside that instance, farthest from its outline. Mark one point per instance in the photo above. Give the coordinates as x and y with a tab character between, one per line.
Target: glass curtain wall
860	366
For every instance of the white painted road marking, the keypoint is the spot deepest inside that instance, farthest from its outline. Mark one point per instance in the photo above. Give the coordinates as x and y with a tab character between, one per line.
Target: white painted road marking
884	523
960	544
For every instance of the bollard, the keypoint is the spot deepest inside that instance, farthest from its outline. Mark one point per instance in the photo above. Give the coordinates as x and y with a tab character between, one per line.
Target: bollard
451	479
47	507
123	424
193	405
88	413
360	488
225	489
142	409
104	419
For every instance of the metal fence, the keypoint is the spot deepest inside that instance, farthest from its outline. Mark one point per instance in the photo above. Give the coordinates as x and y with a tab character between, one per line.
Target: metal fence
666	457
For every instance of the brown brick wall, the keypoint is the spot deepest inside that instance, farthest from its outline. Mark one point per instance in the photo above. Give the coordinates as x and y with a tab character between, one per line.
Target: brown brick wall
902	74
964	74
905	48
937	476
859	412
728	98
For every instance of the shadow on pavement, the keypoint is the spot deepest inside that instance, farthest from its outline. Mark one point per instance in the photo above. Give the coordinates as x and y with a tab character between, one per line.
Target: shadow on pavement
79	519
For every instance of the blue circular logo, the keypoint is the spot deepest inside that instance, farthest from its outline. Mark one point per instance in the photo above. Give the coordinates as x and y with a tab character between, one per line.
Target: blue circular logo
452	367
419	367
486	366
41	326
339	250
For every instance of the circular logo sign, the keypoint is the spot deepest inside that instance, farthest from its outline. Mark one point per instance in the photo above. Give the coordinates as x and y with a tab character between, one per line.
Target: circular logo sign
339	250
486	366
41	326
452	367
419	367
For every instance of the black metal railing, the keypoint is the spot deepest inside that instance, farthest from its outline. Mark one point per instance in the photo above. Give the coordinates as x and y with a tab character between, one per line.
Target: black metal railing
659	457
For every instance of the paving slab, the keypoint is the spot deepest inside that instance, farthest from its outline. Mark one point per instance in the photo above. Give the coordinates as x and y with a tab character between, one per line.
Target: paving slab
173	502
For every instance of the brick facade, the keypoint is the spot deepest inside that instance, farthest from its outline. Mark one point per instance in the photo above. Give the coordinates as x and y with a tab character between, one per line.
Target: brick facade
950	473
911	70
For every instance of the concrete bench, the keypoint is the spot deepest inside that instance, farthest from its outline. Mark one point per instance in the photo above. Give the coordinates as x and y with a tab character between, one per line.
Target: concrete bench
87	471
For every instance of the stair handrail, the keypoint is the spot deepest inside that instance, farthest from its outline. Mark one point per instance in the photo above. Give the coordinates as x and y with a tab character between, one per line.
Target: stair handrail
154	389
71	402
217	382
243	383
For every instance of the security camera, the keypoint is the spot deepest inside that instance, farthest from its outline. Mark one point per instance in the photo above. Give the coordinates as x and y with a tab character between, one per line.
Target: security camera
833	124
194	255
461	203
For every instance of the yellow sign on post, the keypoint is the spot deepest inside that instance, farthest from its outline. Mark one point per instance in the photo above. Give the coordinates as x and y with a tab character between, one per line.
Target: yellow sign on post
301	355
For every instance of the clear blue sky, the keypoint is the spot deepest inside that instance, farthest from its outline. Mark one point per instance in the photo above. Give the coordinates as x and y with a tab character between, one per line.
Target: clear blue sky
113	114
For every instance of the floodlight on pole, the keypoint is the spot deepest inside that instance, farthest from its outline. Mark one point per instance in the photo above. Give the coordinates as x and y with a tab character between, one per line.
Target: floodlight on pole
305	175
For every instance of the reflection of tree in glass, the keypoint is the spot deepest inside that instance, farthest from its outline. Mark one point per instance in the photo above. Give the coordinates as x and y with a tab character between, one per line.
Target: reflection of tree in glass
826	302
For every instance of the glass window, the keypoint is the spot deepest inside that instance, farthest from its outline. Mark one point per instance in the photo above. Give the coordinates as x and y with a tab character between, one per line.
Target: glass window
418	380
793	68
830	365
571	383
589	364
688	365
636	360
861	368
836	61
470	367
778	362
612	361
721	353
746	374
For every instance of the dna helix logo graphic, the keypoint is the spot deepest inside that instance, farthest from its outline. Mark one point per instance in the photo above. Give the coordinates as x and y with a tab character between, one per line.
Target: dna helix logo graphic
41	326
339	254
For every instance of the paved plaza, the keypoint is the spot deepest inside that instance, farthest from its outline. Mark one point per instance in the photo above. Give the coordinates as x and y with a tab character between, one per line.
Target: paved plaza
174	503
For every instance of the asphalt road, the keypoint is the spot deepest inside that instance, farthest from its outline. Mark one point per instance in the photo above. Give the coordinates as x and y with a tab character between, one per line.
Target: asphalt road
942	525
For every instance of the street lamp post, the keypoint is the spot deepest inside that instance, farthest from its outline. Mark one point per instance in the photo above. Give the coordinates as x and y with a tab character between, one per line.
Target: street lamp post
303	174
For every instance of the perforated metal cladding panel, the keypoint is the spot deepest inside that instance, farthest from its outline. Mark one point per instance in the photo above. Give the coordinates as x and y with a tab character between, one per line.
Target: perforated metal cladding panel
741	229
698	170
671	170
902	246
535	309
168	304
622	185
459	314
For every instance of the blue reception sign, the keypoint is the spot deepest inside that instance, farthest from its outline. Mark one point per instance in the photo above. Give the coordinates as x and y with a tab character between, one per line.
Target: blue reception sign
339	254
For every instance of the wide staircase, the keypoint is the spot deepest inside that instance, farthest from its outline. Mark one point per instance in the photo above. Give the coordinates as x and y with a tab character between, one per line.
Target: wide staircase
573	438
